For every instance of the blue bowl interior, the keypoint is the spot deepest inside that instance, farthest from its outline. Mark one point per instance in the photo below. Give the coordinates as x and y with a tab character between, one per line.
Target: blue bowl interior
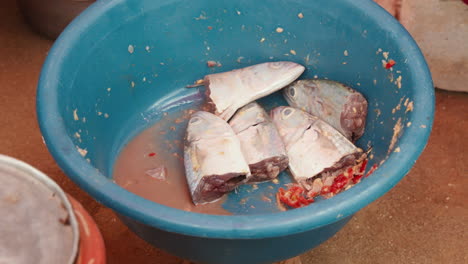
172	41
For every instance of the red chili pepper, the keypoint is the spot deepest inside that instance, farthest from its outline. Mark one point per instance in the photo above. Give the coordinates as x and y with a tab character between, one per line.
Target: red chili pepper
357	178
305	201
297	190
325	190
372	169
339	183
210	27
363	166
285	196
294	197
152	154
390	64
281	191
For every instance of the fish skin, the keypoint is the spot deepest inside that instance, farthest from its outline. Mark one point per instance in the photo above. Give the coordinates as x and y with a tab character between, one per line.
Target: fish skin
340	106
261	143
213	159
228	91
315	149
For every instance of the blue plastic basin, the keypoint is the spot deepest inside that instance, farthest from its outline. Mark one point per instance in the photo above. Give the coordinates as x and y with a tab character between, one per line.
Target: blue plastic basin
147	51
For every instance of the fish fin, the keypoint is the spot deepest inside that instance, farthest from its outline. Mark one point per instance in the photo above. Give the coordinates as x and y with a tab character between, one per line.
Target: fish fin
200	82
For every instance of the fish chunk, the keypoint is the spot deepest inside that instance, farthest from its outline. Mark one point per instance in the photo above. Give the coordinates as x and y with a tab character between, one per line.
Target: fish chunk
213	159
228	91
260	142
335	103
315	149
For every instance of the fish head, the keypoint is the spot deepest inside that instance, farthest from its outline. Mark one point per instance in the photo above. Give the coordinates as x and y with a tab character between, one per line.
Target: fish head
226	92
298	94
272	74
204	125
339	105
291	121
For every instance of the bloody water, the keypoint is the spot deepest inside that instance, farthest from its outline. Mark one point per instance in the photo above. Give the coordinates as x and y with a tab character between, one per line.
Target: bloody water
160	148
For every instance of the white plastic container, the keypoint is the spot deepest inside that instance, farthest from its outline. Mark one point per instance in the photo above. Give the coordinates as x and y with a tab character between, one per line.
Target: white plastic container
37	223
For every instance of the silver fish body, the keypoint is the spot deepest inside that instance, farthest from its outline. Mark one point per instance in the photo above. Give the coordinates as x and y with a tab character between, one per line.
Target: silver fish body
228	91
315	149
337	104
261	143
213	159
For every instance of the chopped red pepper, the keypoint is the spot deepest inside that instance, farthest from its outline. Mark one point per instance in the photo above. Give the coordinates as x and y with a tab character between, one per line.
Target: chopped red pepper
363	166
294	197
390	64
210	27
357	178
325	190
152	154
339	183
303	201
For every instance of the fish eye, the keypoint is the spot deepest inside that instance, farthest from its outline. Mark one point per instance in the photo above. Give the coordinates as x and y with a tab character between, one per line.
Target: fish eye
195	120
261	116
287	112
251	105
292	91
276	65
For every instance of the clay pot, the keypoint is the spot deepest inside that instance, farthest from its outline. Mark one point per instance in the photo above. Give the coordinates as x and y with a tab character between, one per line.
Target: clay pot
92	248
50	17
